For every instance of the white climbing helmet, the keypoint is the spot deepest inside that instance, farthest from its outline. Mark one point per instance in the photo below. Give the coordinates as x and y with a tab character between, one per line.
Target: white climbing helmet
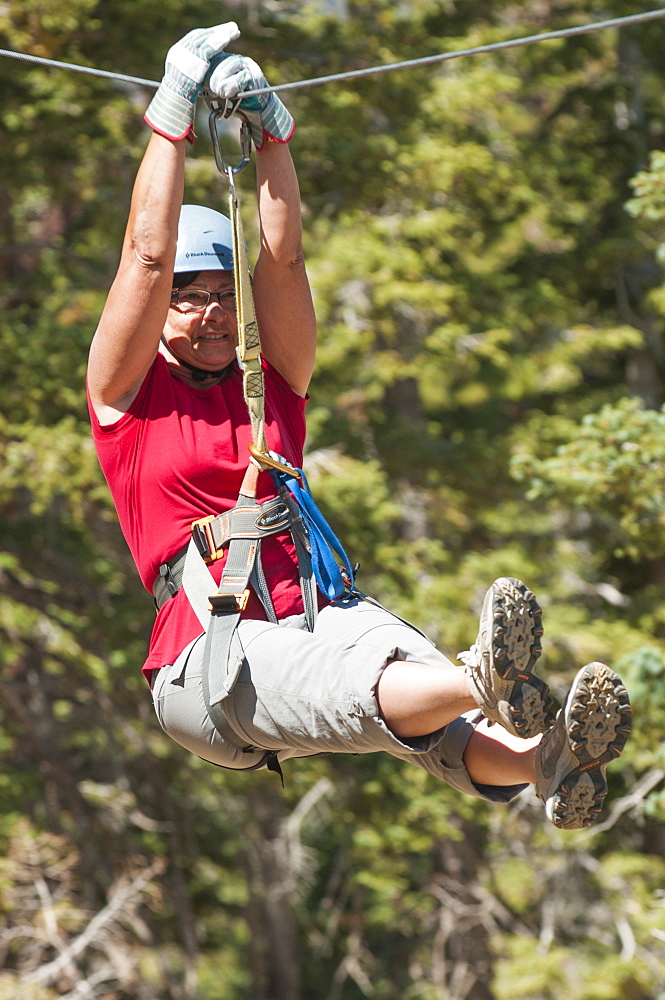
205	240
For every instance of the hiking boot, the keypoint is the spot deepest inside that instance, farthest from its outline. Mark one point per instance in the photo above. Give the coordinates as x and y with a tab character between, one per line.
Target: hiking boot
500	662
589	733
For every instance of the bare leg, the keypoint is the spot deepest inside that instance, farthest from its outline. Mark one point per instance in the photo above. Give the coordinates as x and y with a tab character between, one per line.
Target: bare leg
418	698
494	756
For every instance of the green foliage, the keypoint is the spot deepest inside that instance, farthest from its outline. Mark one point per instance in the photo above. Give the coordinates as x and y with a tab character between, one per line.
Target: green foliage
612	463
649	189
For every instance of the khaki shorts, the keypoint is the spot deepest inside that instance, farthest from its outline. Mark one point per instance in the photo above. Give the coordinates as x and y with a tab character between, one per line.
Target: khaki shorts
303	693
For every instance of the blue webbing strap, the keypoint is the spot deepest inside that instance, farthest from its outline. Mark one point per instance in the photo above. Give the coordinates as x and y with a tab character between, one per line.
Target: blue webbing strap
323	540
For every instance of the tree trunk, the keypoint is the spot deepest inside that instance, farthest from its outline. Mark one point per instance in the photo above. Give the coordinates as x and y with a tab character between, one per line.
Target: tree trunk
461	954
270	913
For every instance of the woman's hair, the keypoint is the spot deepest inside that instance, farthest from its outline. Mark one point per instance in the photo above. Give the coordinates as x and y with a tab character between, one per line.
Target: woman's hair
184	278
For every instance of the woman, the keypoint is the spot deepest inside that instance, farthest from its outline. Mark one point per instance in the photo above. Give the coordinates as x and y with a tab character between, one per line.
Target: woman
172	433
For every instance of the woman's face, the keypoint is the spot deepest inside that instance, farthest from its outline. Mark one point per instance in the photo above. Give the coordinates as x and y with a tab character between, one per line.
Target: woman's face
205	338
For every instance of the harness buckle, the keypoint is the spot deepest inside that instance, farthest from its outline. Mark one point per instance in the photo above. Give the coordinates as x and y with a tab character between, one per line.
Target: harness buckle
168	578
204	539
225	603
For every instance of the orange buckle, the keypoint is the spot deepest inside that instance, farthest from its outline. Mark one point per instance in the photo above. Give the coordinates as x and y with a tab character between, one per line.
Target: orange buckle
204	540
220	603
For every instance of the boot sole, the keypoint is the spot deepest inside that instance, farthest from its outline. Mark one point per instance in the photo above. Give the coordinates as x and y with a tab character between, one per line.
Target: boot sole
515	647
598	722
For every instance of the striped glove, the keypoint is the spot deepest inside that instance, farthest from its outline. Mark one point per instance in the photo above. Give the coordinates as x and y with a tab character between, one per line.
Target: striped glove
171	111
267	116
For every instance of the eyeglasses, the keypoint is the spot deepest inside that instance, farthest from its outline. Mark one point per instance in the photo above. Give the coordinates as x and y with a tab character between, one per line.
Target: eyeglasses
196	299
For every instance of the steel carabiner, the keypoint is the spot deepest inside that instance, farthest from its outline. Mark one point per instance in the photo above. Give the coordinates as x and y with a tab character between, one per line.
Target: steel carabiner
224	107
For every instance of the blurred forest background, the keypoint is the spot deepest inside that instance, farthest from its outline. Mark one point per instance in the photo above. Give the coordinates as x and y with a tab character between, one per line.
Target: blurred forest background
484	238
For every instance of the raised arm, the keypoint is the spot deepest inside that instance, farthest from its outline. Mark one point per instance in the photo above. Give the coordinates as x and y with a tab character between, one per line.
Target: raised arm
283	300
127	338
282	296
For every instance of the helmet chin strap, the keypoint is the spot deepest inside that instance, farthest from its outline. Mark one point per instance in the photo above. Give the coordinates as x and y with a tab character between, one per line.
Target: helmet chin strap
198	374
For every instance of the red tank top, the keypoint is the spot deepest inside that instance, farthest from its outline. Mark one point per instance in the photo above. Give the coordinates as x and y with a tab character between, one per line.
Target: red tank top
179	454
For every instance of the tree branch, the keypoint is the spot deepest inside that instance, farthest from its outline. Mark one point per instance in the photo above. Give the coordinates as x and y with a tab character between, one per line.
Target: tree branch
123	895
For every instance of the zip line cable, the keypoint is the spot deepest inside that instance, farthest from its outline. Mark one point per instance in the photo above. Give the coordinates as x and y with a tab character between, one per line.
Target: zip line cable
41	61
513	43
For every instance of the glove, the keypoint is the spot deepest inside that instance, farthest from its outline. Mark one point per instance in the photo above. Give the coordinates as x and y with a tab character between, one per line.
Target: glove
171	111
268	118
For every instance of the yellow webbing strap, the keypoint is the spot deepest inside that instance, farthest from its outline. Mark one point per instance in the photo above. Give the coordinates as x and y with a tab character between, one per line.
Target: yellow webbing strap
249	344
